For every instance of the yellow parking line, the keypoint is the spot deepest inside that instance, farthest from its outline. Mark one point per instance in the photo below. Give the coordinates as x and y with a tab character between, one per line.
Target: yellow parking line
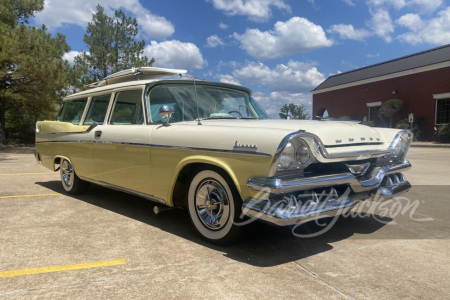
26	196
62	268
19	174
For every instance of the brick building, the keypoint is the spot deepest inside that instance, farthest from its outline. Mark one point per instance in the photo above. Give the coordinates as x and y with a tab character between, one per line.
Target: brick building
421	80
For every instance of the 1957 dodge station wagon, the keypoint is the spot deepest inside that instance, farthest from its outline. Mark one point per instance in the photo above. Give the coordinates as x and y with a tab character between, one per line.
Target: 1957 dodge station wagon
209	147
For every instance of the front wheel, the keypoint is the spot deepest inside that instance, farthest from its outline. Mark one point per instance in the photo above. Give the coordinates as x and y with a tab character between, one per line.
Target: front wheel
213	207
69	179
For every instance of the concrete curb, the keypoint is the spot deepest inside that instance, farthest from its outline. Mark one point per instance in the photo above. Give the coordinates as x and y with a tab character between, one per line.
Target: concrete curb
17	149
429	145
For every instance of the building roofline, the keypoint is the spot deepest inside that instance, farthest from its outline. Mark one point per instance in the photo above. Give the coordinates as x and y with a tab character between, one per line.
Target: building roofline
319	88
384	77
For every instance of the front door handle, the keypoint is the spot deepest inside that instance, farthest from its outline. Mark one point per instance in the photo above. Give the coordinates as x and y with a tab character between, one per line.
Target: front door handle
98	133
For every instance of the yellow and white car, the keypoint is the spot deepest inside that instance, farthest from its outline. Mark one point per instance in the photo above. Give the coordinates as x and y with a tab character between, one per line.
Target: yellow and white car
210	148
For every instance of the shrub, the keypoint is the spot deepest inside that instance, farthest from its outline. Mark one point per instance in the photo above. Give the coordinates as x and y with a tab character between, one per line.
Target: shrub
444	133
388	109
416	128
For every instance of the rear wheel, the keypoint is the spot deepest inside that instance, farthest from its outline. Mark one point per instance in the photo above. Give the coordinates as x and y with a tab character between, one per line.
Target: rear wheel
69	179
213	207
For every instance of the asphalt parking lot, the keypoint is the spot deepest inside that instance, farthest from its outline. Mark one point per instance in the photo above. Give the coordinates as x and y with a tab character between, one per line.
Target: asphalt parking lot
110	245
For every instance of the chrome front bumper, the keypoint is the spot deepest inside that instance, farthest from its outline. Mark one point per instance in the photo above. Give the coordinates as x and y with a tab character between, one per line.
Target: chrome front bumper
288	201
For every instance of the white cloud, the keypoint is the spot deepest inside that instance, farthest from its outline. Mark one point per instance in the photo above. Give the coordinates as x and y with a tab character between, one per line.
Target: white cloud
153	26
213	41
423	6
295	77
256	10
287	38
397	4
70	56
227	79
349	2
435	31
427	5
56	13
373	55
348	32
381	24
223	26
273	102
175	54
411	21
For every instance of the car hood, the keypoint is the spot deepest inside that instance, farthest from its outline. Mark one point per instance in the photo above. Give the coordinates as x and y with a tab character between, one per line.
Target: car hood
331	133
266	135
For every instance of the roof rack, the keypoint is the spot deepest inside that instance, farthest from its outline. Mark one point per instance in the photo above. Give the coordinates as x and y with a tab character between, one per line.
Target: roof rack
136	74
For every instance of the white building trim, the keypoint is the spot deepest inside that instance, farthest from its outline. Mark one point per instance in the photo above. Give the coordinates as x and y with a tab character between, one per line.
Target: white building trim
441	96
373	104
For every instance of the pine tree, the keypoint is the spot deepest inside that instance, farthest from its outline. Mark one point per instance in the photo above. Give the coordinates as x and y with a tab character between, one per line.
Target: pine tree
32	69
112	47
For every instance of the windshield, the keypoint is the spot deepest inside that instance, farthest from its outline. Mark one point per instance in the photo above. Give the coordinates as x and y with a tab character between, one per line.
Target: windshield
213	103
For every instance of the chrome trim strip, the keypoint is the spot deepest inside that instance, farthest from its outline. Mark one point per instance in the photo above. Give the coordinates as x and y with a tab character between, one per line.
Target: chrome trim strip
279	185
121	189
212	150
355	144
163	146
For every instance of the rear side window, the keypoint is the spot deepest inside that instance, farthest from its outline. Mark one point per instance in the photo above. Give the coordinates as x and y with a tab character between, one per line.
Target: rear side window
71	111
128	108
97	110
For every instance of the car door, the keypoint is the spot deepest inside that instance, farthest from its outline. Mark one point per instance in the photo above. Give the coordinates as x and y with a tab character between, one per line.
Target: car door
122	144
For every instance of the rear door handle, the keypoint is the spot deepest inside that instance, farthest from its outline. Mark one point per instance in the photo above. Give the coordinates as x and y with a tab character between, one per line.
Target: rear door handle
98	133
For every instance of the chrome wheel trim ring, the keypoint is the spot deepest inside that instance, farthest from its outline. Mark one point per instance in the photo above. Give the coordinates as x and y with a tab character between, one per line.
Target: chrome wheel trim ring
212	204
67	174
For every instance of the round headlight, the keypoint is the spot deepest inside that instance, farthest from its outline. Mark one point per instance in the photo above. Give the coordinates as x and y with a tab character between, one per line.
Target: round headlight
287	157
303	155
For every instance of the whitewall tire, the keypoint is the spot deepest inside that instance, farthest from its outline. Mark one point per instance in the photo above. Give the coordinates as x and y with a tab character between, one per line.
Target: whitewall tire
213	207
69	179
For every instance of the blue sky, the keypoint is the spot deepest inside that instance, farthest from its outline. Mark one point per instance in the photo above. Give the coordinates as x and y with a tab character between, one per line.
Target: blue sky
281	49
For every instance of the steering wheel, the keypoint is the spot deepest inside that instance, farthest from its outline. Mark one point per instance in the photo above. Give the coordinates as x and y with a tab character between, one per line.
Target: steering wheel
235	111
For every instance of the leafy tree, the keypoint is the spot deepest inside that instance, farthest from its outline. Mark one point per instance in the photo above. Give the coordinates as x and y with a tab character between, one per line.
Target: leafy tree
112	47
388	109
293	112
32	68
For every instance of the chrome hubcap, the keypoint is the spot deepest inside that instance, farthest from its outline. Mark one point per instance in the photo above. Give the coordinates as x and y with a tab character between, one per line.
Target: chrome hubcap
212	204
67	173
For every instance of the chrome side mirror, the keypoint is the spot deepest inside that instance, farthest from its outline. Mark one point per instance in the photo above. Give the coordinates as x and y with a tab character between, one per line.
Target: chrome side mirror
166	112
